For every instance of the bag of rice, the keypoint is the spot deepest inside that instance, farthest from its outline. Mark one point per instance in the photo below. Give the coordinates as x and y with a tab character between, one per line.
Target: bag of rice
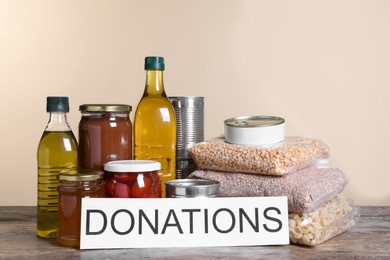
306	189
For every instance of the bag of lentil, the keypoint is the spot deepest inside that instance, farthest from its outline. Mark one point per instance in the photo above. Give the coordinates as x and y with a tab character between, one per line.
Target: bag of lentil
306	189
335	217
280	159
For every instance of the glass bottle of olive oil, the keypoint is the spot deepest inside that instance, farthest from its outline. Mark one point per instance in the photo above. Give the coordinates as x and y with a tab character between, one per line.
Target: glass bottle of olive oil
57	153
154	123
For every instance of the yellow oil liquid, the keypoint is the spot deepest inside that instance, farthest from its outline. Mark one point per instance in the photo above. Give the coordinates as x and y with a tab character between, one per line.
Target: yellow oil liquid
57	152
155	135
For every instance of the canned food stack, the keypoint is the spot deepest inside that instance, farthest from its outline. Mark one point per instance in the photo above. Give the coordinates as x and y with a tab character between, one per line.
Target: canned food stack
254	158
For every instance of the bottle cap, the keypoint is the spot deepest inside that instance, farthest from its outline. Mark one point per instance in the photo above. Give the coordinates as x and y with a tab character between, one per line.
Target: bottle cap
57	104
154	63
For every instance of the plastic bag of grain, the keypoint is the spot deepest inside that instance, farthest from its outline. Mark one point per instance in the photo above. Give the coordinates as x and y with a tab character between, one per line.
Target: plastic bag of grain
292	154
335	217
306	189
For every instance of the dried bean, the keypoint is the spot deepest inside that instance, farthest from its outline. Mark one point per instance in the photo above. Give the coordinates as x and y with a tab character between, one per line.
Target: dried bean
293	154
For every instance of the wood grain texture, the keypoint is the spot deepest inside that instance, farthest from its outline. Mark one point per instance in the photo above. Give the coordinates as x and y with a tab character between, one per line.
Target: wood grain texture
370	239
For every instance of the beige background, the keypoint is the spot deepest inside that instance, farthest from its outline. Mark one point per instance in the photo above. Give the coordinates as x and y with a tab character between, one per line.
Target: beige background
322	65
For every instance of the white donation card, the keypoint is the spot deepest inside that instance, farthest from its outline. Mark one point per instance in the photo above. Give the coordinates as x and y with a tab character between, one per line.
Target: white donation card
185	222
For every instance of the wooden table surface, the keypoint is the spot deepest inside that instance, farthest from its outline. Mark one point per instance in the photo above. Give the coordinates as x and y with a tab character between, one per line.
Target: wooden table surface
369	239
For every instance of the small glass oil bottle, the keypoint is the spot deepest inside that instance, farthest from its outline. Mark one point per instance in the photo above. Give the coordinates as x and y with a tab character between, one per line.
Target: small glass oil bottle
57	153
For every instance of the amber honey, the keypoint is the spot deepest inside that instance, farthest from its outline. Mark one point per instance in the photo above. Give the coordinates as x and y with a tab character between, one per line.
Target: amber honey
72	188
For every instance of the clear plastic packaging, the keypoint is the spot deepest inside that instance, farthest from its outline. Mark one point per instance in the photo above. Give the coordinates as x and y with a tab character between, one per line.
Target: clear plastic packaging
279	159
335	217
306	189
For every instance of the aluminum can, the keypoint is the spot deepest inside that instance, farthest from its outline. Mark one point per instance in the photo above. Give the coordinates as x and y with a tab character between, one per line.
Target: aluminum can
189	112
254	130
192	188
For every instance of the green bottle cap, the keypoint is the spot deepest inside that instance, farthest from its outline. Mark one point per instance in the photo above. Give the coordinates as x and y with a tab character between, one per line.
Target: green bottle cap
57	104
154	63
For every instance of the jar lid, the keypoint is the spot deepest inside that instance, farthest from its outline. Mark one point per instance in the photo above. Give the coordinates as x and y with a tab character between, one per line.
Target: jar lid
105	108
191	188
254	130
81	175
132	166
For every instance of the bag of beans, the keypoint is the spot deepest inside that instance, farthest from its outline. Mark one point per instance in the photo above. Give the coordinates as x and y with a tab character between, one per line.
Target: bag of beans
335	217
292	154
306	189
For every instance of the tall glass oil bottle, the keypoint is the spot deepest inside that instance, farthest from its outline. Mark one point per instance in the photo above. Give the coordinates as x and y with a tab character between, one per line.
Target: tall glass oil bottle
57	153
154	123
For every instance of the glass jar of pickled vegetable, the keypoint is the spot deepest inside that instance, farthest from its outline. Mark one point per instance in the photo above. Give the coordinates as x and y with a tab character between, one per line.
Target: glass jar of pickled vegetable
72	188
133	179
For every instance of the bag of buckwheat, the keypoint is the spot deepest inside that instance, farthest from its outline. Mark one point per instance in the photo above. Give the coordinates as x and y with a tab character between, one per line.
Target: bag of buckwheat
292	154
335	217
306	189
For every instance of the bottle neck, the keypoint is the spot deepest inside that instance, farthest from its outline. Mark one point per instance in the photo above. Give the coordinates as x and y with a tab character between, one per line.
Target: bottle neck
57	122
154	83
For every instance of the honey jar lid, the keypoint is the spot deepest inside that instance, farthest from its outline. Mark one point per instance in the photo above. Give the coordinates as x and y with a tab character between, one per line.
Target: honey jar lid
105	108
132	166
191	188
81	175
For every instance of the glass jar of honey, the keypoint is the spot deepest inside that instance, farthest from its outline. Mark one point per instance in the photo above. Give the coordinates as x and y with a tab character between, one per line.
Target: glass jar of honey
133	179
105	134
72	188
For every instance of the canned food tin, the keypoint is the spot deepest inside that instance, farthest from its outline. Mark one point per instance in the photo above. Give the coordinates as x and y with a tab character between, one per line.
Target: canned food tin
254	130
192	188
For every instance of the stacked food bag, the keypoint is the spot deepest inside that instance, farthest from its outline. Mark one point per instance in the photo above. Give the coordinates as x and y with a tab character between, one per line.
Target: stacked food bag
296	167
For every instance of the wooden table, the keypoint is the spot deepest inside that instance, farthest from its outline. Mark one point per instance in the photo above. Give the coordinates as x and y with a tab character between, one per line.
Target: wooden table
369	239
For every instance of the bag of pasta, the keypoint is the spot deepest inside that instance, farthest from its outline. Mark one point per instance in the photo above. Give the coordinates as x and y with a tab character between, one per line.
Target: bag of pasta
335	217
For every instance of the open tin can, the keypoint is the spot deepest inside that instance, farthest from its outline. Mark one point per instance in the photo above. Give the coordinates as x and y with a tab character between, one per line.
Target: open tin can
191	188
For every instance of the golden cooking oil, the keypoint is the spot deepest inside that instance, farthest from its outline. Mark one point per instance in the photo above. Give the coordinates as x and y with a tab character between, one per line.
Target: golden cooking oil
154	123
57	153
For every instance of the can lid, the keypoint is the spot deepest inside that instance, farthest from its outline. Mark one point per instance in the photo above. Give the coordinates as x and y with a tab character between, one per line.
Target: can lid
81	175
154	63
57	104
254	121
190	188
105	108
132	166
254	130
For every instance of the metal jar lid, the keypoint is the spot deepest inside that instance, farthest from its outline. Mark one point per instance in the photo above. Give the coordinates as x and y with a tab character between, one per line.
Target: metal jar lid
105	108
191	188
254	130
81	175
